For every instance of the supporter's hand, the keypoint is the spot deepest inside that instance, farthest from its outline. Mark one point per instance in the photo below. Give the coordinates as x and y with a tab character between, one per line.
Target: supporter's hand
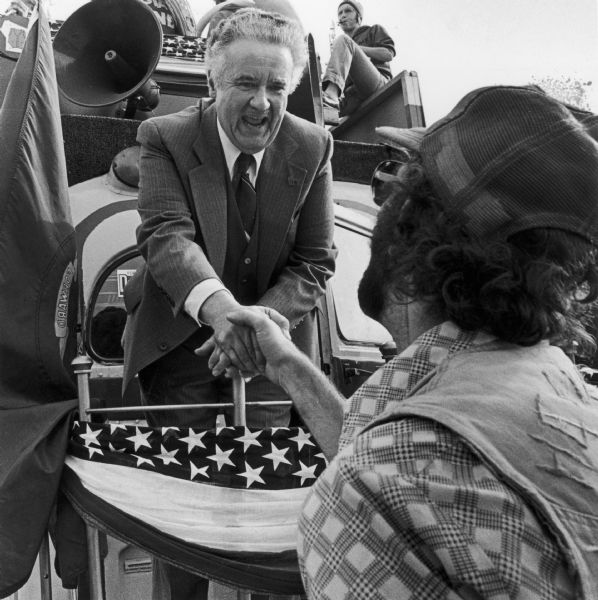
230	345
220	361
233	346
271	335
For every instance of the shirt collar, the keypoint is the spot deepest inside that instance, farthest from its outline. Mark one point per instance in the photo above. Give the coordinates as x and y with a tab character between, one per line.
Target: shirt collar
231	153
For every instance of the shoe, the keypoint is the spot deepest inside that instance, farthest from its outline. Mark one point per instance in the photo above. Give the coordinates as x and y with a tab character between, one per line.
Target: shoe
330	115
329	101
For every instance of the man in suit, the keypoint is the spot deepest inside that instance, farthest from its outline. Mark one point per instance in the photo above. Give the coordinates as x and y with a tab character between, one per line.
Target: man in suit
200	263
202	259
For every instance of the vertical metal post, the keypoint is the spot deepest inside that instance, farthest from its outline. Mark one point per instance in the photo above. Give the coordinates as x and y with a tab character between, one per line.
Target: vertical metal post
96	567
240	419
82	368
239	400
45	574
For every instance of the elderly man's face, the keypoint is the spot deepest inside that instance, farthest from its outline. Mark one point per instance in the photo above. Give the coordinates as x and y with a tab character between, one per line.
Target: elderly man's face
252	96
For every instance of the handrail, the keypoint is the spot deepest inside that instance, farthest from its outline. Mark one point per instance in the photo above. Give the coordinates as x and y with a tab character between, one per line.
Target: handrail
153	407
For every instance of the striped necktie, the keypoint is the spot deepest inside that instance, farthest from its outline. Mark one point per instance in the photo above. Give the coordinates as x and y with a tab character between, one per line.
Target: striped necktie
244	191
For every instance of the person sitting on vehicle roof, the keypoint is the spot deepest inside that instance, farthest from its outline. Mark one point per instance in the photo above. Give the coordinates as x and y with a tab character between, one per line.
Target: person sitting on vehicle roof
468	464
21	7
359	60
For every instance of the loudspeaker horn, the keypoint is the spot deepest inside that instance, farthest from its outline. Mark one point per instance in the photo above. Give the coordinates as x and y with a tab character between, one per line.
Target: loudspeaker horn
106	50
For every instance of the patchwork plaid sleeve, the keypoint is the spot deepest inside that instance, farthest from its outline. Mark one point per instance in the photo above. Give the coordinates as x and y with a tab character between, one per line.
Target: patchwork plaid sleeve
409	512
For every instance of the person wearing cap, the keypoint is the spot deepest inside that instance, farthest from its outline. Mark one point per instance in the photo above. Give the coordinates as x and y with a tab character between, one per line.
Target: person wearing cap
359	61
467	466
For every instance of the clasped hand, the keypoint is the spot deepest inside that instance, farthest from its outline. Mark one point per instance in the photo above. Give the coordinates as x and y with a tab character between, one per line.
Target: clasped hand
248	341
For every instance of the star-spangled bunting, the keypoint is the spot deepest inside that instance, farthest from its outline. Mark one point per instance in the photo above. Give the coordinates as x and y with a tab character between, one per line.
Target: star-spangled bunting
237	457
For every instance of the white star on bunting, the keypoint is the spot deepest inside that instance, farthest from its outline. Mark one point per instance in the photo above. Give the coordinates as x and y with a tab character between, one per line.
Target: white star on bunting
277	456
93	451
219	430
249	439
306	472
90	436
140	439
165	430
252	475
113	449
141	460
167	457
301	439
193	440
115	426
222	458
203	471
275	429
322	457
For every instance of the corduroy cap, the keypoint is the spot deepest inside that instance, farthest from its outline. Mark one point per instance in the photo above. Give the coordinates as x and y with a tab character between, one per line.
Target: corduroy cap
356	5
511	159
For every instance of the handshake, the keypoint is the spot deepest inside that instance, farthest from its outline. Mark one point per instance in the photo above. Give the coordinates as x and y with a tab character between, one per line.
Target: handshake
249	341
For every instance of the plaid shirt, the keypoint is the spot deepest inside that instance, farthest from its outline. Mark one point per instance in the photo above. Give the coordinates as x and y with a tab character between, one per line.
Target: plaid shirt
409	512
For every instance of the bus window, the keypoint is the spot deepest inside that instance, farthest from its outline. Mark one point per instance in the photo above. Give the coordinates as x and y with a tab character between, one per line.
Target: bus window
109	315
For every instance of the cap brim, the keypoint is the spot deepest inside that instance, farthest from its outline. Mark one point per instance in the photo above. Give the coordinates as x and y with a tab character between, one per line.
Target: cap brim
401	138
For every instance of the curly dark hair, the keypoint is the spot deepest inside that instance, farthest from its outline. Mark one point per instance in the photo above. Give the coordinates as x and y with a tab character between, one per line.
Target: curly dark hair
530	287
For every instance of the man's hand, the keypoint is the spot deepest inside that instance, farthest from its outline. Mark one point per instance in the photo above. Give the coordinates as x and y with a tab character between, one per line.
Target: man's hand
231	342
251	319
321	407
271	335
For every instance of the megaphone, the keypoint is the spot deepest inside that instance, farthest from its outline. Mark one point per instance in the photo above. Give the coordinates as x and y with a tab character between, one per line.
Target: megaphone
106	51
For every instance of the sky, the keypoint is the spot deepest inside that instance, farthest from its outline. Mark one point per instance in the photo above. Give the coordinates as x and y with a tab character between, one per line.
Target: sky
457	45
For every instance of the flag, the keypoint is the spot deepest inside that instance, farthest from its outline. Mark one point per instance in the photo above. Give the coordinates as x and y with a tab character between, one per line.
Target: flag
229	497
37	306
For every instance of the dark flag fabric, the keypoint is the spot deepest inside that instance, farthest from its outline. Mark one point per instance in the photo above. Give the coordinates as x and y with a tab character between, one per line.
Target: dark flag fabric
228	499
37	306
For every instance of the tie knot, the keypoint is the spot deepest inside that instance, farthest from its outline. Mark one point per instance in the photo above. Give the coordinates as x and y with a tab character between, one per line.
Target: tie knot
243	163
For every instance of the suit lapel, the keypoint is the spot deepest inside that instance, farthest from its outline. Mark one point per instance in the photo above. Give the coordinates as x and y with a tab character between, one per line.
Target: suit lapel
279	188
208	183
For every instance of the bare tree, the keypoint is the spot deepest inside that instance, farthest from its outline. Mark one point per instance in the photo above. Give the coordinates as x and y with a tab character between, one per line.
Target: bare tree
566	88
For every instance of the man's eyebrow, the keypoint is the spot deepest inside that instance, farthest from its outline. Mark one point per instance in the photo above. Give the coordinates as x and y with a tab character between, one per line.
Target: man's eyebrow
279	80
245	78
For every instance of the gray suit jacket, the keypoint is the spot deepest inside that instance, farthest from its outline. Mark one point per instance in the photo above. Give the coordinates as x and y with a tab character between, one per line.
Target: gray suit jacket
183	234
